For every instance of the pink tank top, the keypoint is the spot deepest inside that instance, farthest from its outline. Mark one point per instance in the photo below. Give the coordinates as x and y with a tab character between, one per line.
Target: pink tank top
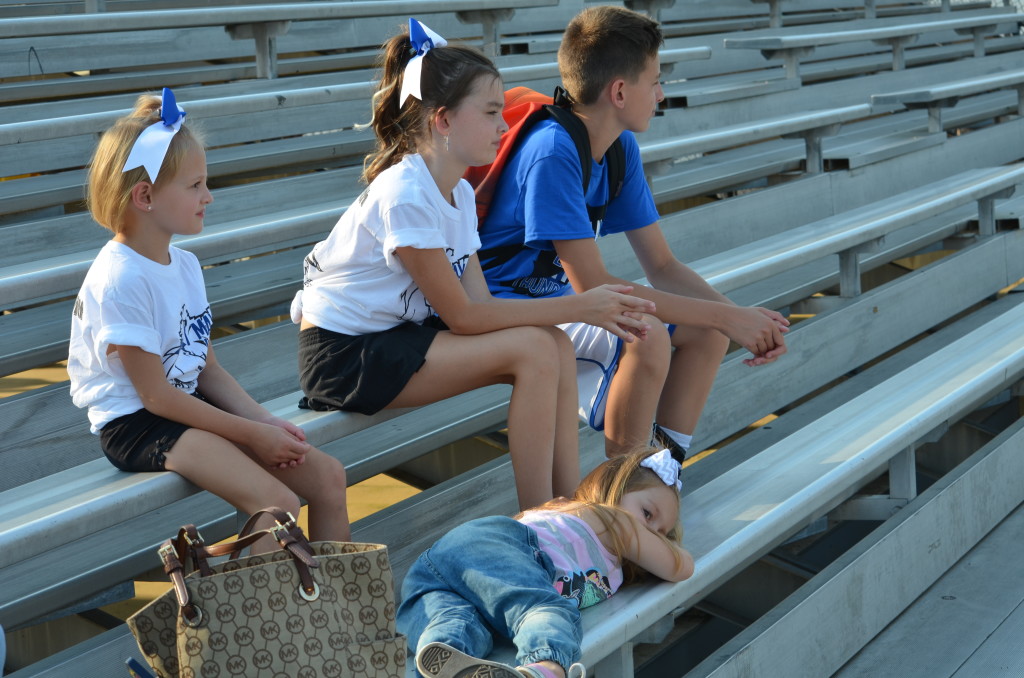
585	571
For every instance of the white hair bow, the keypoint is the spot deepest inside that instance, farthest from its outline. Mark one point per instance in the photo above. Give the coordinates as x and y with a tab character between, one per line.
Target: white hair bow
151	147
666	467
423	40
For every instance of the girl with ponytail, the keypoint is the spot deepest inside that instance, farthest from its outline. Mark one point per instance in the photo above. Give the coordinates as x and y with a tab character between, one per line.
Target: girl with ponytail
395	311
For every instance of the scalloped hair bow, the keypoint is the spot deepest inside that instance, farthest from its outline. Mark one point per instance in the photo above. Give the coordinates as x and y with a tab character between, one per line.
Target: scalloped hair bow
666	467
423	40
150	148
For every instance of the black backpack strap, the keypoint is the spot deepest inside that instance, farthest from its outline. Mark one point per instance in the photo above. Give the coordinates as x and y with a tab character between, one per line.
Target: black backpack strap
615	160
579	135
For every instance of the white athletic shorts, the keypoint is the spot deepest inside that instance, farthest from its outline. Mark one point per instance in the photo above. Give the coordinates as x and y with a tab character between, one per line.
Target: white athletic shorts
597	357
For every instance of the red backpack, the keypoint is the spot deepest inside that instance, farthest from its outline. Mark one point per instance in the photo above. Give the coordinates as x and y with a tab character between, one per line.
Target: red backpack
524	108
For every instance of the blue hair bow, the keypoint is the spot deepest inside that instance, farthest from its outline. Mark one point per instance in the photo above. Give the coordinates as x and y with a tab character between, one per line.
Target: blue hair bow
423	40
150	148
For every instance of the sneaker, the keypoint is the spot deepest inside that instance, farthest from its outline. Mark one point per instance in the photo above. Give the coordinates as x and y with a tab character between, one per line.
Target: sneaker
660	439
577	670
438	660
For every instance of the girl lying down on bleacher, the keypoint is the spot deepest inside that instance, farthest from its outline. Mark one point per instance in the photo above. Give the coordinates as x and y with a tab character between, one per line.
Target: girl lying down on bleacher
527	578
140	356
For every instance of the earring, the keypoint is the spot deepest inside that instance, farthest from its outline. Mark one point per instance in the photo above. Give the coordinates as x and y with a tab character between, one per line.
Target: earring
445	143
149	208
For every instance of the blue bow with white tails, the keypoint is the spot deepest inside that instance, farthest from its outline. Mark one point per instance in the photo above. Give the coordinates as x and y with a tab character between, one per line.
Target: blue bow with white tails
423	40
150	148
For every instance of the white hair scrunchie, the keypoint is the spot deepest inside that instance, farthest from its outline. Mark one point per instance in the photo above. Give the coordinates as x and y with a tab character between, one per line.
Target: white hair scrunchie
665	467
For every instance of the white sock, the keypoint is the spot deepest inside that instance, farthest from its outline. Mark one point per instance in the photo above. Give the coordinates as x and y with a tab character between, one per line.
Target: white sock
681	439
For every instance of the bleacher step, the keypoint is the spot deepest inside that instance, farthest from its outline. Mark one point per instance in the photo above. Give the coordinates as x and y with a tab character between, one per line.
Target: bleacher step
877	149
968	623
835	614
727	88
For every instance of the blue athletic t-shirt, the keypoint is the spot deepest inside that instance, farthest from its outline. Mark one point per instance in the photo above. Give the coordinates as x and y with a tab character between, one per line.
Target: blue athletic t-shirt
540	198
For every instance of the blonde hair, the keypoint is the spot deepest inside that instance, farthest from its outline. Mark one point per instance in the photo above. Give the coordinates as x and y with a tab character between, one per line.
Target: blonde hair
601	492
109	189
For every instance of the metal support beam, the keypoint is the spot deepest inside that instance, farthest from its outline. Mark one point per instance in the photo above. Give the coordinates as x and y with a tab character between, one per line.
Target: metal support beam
979	40
489	19
987	211
815	161
791	58
849	267
869	9
658	631
618	663
775	13
898	44
875	507
902	487
903	475
935	119
264	34
651	8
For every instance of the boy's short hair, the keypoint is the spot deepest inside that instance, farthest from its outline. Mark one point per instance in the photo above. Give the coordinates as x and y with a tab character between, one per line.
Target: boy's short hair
602	43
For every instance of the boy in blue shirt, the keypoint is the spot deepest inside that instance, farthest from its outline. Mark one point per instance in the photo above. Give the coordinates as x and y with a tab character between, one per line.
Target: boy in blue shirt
538	241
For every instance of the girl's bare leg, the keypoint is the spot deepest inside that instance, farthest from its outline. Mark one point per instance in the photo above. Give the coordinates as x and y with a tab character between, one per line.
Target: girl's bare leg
219	466
527	358
566	475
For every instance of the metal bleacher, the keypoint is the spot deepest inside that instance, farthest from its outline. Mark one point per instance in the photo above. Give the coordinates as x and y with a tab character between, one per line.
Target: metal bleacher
890	236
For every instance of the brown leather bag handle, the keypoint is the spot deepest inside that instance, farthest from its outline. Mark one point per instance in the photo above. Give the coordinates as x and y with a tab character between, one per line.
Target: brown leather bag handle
190	543
191	614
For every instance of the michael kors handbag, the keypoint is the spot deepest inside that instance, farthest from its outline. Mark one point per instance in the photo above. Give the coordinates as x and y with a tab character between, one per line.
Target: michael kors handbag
308	610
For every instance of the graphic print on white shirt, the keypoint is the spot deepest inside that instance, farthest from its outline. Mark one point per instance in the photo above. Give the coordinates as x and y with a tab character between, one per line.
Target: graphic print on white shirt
193	340
129	300
354	283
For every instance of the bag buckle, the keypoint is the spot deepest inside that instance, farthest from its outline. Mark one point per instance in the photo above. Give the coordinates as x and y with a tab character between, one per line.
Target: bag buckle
282	529
166	551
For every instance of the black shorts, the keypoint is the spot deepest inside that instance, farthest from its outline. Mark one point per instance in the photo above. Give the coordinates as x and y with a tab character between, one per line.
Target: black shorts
360	373
140	441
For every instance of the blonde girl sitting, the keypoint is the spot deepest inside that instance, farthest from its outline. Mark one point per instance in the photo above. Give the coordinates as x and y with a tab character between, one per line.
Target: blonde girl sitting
527	578
395	311
140	357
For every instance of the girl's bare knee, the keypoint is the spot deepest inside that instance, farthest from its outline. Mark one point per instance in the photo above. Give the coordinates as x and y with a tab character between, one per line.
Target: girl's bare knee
539	351
285	499
331	488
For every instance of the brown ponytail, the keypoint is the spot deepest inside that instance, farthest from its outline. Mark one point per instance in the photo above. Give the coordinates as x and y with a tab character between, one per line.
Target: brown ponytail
448	76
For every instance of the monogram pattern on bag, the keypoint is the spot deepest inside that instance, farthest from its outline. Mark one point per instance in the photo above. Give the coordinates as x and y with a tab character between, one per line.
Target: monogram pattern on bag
256	624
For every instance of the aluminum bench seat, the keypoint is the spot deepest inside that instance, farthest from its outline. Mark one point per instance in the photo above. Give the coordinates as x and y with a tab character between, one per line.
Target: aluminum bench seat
793	44
33	506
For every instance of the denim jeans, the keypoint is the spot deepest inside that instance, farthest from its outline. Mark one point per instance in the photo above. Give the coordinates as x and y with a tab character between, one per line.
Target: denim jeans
488	577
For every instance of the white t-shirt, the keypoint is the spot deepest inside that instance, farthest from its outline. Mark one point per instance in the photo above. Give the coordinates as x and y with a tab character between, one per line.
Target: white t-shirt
353	283
131	300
